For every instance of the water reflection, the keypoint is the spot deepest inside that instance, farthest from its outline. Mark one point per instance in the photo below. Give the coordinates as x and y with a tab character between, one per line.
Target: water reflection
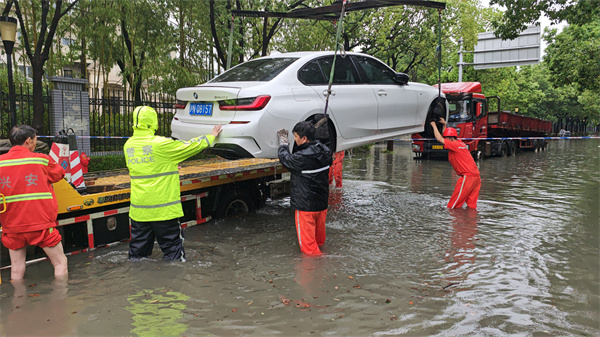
462	247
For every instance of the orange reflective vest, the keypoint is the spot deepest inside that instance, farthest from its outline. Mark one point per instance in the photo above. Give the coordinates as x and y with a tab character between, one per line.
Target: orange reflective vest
26	182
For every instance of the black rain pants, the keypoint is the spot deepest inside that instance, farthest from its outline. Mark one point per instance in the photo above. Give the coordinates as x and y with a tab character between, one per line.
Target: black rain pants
168	233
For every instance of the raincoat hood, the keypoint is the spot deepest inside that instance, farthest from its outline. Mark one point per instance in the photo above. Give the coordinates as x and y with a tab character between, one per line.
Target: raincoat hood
145	118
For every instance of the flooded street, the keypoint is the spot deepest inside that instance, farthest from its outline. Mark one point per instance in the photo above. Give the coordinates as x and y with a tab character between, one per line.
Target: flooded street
396	262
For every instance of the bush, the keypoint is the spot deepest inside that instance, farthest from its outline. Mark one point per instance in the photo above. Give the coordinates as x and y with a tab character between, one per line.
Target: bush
103	163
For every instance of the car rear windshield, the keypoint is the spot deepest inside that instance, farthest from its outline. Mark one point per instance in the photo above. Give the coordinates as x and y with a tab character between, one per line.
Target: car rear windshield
262	70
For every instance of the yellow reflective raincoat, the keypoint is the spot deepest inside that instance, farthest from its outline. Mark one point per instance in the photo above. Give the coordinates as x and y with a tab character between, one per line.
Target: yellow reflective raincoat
152	163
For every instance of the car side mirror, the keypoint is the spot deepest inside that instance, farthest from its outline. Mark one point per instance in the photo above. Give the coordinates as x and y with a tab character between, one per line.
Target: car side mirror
401	78
478	110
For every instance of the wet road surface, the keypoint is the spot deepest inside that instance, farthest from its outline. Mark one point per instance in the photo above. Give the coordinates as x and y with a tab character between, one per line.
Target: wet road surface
396	262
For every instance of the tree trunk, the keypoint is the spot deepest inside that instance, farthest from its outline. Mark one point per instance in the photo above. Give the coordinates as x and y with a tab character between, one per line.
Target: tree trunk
213	30
265	40
38	97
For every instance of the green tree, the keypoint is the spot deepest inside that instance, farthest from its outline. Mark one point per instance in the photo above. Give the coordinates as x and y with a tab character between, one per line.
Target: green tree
573	54
38	22
520	13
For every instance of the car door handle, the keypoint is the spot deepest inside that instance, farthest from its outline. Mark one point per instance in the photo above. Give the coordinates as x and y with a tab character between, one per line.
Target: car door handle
382	93
325	93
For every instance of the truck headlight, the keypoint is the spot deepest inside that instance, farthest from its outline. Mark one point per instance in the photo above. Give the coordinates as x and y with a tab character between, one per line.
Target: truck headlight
416	147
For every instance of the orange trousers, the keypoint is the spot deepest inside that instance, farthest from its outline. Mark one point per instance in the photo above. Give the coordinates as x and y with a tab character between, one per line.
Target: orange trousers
335	171
466	190
310	227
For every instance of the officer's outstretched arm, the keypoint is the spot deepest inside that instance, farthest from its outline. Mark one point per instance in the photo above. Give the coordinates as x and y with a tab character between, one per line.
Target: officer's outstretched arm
179	151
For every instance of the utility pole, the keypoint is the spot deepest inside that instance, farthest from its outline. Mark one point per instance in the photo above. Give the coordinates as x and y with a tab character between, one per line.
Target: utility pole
460	60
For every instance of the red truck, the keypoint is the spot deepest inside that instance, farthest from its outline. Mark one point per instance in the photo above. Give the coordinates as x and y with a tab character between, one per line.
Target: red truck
470	115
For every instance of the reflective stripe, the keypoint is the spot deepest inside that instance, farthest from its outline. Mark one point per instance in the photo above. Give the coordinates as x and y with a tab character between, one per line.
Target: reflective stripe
157	206
298	228
317	170
28	196
14	162
155	175
460	192
206	139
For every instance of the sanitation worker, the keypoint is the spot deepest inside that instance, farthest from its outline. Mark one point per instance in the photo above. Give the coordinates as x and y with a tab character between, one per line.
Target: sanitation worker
155	206
30	218
309	165
468	185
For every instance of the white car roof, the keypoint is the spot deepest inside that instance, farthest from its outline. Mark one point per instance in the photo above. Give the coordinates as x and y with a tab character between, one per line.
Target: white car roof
307	54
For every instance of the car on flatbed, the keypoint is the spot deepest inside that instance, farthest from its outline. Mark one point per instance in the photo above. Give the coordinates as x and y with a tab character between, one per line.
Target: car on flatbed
368	102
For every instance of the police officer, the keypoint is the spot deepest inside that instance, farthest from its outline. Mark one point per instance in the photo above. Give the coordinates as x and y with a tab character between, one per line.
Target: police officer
155	206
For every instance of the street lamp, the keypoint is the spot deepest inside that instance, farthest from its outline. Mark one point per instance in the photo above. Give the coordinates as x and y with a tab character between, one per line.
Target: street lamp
8	30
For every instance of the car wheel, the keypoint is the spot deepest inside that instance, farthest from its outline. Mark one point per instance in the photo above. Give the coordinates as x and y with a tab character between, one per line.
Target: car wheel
234	204
325	133
436	110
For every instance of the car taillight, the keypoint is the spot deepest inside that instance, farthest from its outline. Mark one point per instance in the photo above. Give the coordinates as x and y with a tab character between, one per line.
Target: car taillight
180	104
252	103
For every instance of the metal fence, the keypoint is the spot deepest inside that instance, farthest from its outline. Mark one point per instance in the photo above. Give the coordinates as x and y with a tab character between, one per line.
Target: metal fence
24	105
111	117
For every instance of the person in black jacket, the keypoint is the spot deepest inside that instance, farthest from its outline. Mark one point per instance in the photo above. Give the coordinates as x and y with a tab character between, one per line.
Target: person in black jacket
309	165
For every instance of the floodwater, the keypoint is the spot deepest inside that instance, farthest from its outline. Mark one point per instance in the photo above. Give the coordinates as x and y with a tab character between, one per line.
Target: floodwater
396	263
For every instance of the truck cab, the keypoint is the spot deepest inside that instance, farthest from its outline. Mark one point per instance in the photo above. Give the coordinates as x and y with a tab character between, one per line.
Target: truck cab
486	132
468	109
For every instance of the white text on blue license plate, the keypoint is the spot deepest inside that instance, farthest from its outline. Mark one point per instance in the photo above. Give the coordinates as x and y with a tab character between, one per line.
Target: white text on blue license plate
201	109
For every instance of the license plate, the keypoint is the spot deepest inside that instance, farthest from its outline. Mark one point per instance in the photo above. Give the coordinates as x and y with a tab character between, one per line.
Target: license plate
437	147
201	109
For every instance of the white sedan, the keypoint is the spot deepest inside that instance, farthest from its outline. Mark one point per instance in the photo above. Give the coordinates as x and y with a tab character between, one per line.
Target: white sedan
369	102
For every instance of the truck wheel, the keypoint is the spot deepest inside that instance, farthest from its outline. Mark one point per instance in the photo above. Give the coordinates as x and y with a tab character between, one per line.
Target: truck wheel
504	150
234	204
480	150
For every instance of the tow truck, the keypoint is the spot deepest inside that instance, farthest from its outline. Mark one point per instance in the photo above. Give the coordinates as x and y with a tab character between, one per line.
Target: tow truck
469	114
98	216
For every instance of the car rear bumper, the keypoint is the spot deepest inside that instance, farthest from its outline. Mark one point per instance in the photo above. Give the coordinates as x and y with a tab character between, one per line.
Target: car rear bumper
233	143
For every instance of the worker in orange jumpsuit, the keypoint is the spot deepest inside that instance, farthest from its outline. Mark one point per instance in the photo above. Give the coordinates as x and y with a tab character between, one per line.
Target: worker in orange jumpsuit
468	185
30	219
335	171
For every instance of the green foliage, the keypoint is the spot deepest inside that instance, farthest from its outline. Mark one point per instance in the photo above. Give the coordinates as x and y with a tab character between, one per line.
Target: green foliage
163	45
103	163
520	13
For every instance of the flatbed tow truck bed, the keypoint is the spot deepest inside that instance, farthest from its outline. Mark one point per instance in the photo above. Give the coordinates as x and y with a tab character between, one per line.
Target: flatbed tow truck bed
98	215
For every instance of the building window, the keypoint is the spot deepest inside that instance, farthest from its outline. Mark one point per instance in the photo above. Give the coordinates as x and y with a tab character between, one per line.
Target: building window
67	42
26	71
67	72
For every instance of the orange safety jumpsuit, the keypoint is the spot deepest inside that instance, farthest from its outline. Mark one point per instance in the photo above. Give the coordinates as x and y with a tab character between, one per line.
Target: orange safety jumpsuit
468	185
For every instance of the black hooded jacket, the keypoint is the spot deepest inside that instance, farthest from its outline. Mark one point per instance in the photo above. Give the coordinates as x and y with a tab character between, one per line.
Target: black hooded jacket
309	166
